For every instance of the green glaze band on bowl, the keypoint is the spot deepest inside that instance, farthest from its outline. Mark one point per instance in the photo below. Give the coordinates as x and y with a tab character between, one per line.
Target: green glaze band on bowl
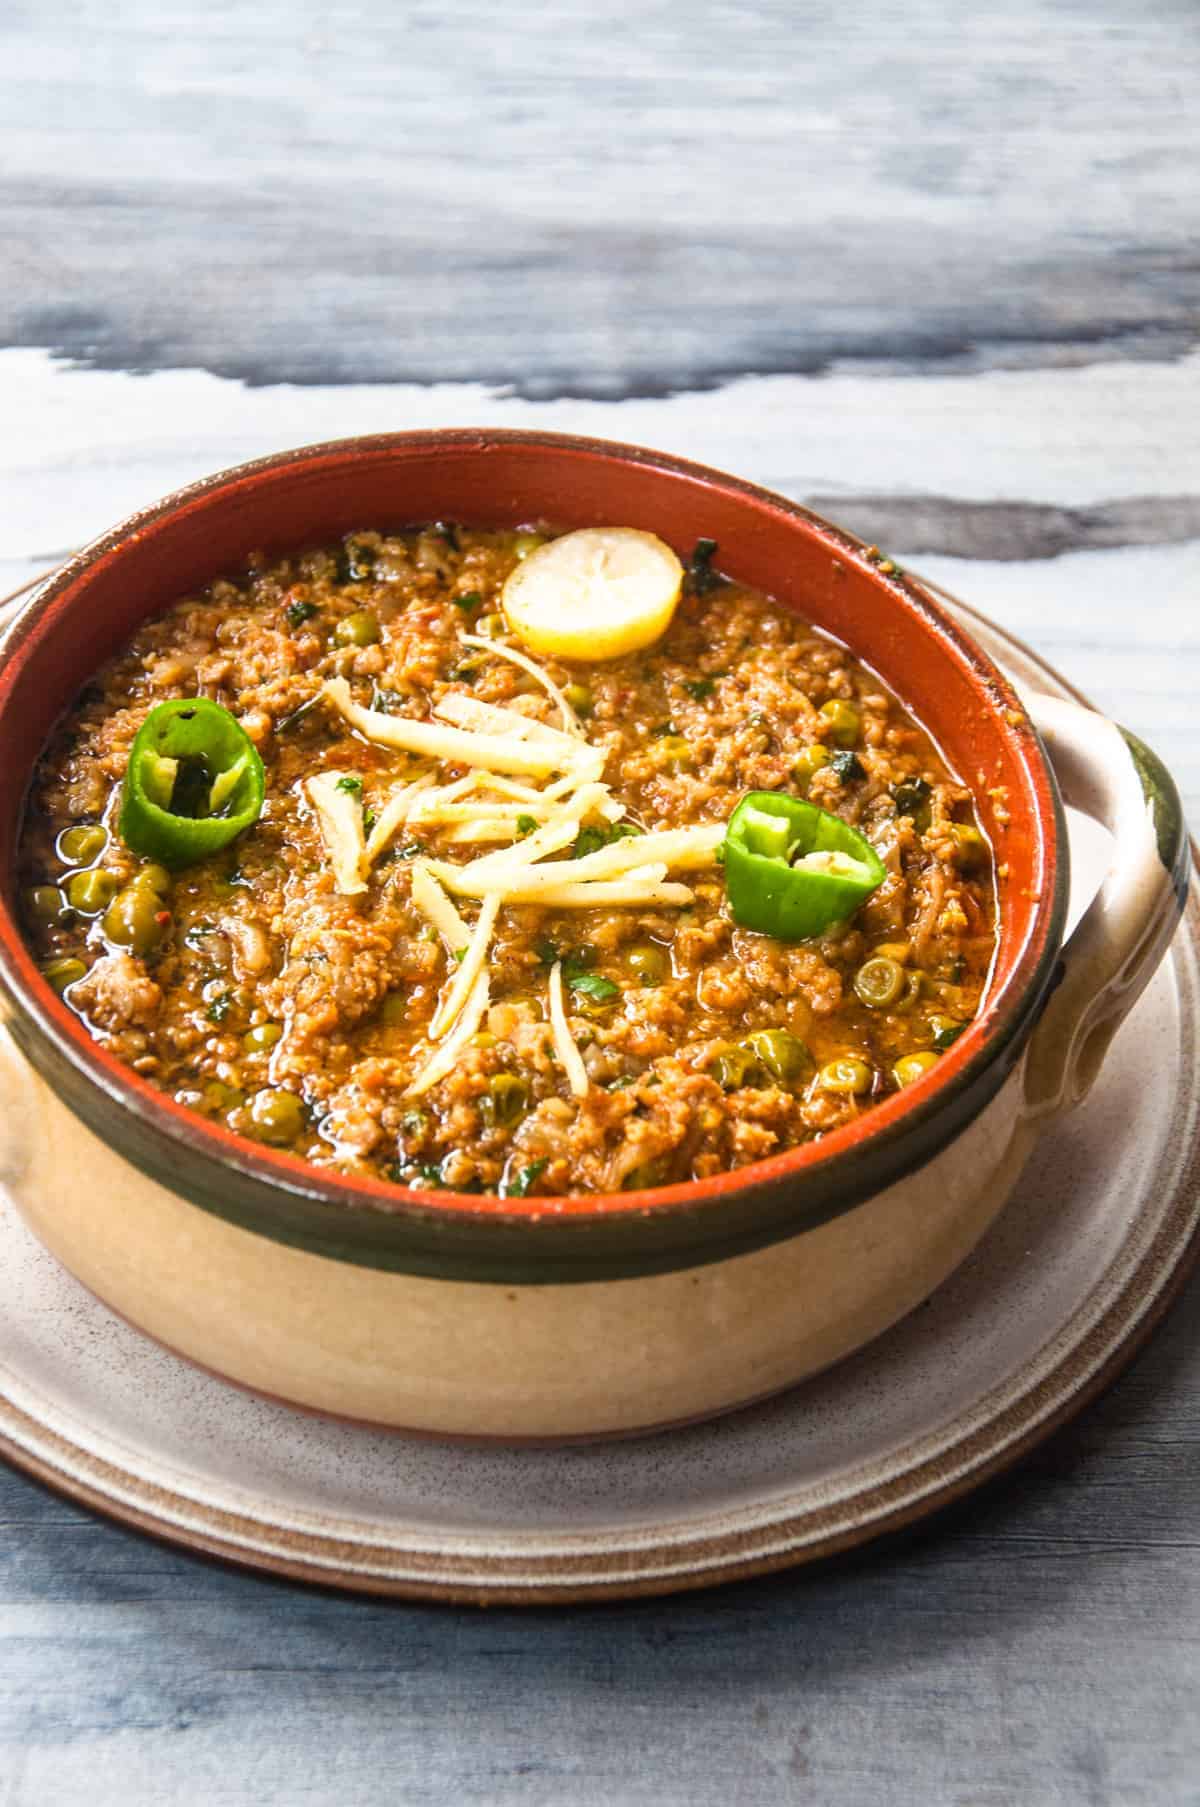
1166	808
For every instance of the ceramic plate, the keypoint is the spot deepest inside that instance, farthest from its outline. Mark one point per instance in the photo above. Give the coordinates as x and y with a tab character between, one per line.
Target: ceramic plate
1080	1266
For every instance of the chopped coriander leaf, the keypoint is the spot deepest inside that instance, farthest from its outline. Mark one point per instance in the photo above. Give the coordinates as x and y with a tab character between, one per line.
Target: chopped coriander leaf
297	715
460	954
526	824
911	796
385	701
700	688
946	1034
701	578
297	613
621	1083
594	986
355	563
590	840
353	785
579	960
432	1176
546	951
525	1178
662	728
369	820
467	602
846	766
220	1007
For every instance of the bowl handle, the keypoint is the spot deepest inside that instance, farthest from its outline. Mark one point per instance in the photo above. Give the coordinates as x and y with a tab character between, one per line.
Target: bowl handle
1122	935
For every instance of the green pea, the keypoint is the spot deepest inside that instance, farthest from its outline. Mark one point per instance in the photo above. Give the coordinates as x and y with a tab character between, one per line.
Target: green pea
733	1068
132	919
359	629
277	1116
393	1012
154	878
80	846
62	973
580	698
218	1096
525	543
673	749
46	903
649	963
970	846
261	1038
846	1075
844	721
911	1066
808	762
783	1055
507	1099
92	891
879	982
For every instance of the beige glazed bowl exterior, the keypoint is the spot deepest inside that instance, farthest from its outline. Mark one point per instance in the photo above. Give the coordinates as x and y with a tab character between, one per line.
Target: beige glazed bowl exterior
573	1318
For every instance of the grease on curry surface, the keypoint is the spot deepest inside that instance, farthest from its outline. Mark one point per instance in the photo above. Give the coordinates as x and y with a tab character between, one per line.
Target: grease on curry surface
260	986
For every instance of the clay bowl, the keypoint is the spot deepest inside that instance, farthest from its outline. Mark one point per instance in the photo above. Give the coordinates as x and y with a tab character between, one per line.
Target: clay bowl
476	1316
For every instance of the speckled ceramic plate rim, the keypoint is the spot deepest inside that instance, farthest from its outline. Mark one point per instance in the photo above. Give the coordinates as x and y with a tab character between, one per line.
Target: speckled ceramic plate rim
1076	1360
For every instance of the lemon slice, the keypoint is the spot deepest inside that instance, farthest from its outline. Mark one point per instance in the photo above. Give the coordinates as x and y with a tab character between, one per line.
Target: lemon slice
594	594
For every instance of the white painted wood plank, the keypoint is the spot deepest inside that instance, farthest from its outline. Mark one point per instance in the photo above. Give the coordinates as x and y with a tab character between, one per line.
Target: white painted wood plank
81	447
84	447
606	200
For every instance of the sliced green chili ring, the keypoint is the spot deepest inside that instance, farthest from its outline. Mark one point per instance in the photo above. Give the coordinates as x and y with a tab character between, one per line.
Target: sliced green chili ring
733	1067
194	782
879	981
792	869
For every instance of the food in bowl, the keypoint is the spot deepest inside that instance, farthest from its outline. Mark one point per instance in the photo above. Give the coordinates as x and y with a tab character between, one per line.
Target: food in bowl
540	1316
370	855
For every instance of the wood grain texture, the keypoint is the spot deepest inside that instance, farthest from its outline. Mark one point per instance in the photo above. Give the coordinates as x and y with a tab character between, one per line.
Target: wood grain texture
626	200
1036	1646
656	223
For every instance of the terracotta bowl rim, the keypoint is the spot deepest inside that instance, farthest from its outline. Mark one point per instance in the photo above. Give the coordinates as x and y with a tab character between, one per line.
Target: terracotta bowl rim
911	1124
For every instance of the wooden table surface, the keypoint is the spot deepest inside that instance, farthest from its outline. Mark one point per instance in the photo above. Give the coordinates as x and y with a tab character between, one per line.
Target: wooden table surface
932	268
